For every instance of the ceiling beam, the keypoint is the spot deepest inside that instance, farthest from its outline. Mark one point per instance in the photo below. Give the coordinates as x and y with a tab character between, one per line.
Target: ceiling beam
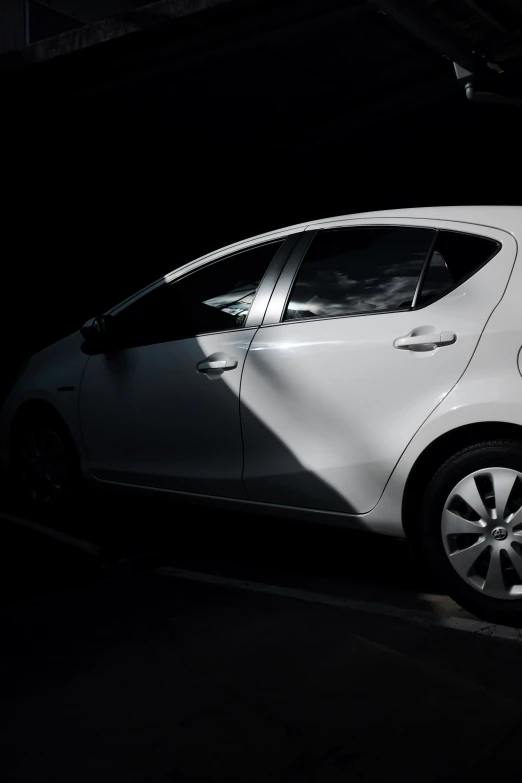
92	11
442	40
75	9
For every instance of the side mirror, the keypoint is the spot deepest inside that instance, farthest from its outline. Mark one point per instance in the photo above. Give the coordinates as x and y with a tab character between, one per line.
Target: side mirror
96	330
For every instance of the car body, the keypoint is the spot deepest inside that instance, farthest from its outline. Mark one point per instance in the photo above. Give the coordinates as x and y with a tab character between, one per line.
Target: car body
336	407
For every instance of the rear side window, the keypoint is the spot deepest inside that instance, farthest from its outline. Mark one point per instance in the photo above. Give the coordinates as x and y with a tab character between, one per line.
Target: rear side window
455	258
349	271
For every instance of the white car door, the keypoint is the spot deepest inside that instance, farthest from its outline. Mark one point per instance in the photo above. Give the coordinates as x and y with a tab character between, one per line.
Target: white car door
161	408
379	325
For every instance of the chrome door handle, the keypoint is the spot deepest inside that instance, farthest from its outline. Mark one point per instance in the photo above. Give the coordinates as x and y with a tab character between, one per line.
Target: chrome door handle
216	364
414	340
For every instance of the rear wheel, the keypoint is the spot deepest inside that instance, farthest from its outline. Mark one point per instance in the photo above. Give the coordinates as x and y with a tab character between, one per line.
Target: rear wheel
471	530
44	463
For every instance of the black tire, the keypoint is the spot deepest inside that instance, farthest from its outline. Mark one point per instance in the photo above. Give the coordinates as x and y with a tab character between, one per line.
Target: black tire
65	485
481	456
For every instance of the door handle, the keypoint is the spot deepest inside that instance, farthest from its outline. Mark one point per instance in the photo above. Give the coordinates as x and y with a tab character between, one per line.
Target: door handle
216	364
414	340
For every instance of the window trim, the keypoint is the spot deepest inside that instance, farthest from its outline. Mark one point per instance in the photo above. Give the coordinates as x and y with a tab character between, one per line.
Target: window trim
296	259
424	270
281	292
270	279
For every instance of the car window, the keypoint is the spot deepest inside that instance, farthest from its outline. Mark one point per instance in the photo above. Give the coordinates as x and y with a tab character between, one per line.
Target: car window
215	298
455	257
350	271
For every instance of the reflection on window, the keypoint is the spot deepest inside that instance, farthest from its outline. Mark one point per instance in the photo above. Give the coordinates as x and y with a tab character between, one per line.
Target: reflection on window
359	270
236	302
456	257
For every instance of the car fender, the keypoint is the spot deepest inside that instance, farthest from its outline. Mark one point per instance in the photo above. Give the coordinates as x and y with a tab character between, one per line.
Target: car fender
52	376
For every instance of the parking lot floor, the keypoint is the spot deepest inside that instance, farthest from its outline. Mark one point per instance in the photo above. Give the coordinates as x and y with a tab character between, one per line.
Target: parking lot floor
147	676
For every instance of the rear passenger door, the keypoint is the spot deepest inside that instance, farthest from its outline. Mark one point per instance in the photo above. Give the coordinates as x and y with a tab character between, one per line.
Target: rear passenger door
367	331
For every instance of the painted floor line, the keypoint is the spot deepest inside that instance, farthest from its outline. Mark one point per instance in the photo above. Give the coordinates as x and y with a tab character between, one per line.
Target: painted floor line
77	543
367	607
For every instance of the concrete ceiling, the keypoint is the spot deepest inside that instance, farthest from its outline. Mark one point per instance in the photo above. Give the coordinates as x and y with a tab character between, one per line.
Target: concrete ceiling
491	27
91	11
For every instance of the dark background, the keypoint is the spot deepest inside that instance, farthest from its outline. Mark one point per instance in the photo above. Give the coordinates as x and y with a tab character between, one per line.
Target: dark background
124	160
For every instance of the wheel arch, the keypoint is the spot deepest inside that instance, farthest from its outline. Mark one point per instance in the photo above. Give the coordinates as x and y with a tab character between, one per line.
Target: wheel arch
436	453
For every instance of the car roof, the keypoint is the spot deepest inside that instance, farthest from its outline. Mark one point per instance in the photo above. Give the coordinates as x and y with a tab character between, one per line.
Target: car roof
503	217
506	218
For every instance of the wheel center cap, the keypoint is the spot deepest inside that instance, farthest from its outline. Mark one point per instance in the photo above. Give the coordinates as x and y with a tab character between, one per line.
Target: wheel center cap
499	533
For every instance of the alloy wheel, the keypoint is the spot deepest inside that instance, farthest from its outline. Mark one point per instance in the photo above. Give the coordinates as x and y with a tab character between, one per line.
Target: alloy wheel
482	531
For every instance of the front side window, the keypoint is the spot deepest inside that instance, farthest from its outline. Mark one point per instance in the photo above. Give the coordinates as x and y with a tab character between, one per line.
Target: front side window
455	258
351	271
215	298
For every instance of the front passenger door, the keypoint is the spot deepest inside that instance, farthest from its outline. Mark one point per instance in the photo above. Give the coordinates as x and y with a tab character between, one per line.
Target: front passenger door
161	410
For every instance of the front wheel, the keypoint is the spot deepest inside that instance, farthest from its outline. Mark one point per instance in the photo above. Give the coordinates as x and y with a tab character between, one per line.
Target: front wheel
44	464
471	529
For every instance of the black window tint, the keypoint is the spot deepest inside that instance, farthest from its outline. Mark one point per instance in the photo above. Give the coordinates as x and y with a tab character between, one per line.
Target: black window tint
213	299
359	270
455	257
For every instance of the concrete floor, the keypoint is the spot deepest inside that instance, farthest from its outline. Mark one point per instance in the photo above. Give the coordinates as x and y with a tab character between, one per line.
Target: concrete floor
146	677
143	676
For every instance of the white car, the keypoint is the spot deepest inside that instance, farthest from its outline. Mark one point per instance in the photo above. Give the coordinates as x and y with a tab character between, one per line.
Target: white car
363	370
